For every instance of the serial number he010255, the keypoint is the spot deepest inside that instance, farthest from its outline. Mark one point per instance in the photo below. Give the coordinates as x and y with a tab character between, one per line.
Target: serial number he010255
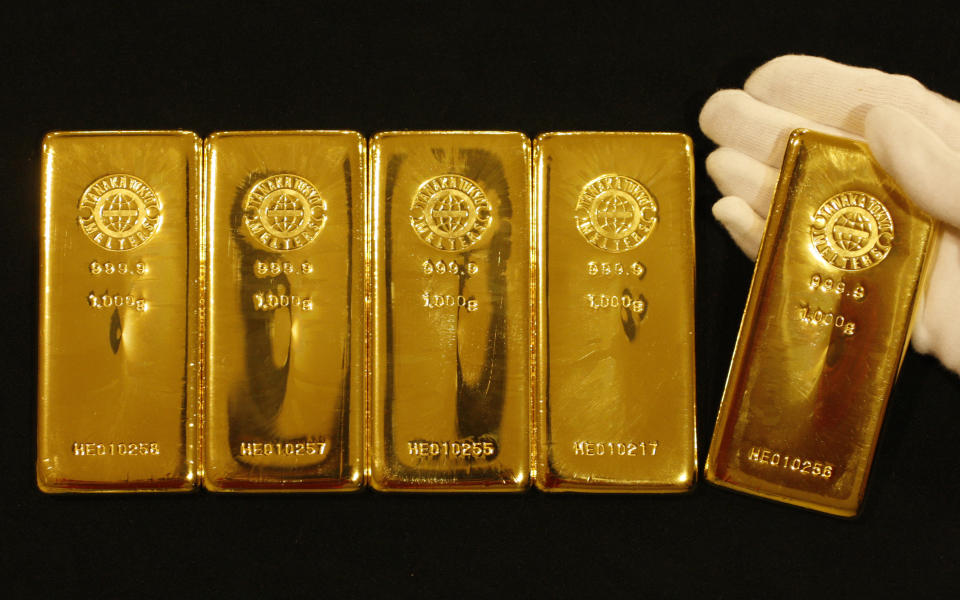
457	449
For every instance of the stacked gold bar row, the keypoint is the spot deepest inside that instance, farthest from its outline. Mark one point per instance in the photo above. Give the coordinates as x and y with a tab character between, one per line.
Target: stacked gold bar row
455	311
266	312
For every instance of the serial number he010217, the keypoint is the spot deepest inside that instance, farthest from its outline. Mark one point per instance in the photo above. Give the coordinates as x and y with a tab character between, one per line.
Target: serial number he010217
797	464
582	448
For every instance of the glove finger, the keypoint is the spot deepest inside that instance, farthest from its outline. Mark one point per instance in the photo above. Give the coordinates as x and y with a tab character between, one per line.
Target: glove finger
840	96
734	118
736	174
936	329
918	160
743	225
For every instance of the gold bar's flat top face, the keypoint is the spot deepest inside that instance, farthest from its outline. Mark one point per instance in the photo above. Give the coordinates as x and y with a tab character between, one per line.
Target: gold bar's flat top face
119	336
451	327
616	312
284	368
824	330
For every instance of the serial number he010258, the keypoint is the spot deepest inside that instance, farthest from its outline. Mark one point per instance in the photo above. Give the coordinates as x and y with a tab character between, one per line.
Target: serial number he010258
116	449
797	464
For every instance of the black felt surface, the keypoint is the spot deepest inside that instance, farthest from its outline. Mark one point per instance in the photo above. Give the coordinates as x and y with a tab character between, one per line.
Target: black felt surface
527	68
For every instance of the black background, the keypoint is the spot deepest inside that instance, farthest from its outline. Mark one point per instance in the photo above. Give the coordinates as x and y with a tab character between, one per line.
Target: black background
531	68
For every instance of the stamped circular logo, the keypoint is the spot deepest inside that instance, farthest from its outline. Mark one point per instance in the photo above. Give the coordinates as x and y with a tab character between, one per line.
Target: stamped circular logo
852	231
616	213
119	212
284	212
450	212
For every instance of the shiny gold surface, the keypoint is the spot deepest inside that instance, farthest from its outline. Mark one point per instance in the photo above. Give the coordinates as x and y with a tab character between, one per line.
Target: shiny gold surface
616	381
119	325
450	235
284	351
824	330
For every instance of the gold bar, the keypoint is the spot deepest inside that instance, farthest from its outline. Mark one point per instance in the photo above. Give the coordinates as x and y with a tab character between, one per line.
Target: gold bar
824	331
615	347
451	283
285	317
119	321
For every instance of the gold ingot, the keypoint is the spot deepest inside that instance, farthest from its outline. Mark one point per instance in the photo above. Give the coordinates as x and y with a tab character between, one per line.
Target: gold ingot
451	283
285	317
824	331
615	362
119	312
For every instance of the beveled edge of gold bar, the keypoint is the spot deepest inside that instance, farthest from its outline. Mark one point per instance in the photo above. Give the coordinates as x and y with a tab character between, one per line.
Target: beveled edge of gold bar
538	384
372	221
193	446
346	485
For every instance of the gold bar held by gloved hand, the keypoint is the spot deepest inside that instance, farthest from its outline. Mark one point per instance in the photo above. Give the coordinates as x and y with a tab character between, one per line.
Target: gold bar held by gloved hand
824	331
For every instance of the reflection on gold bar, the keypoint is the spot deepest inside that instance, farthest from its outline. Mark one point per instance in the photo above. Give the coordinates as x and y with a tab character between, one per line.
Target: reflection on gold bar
824	330
284	349
119	324
450	323
615	360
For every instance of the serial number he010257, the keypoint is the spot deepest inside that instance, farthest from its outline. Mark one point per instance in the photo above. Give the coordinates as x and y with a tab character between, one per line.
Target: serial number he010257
282	448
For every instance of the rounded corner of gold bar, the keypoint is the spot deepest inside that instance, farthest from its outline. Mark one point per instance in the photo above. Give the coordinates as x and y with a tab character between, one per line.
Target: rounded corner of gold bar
546	135
213	486
379	481
797	136
46	485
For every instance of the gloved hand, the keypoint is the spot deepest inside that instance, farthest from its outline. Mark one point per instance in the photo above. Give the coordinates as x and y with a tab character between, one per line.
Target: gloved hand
914	134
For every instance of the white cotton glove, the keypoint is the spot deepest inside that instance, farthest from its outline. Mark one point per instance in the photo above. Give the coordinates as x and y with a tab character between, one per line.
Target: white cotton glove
914	134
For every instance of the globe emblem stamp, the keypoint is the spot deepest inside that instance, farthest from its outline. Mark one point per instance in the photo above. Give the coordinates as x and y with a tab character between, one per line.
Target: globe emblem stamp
616	213
284	212
119	212
852	231
450	212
